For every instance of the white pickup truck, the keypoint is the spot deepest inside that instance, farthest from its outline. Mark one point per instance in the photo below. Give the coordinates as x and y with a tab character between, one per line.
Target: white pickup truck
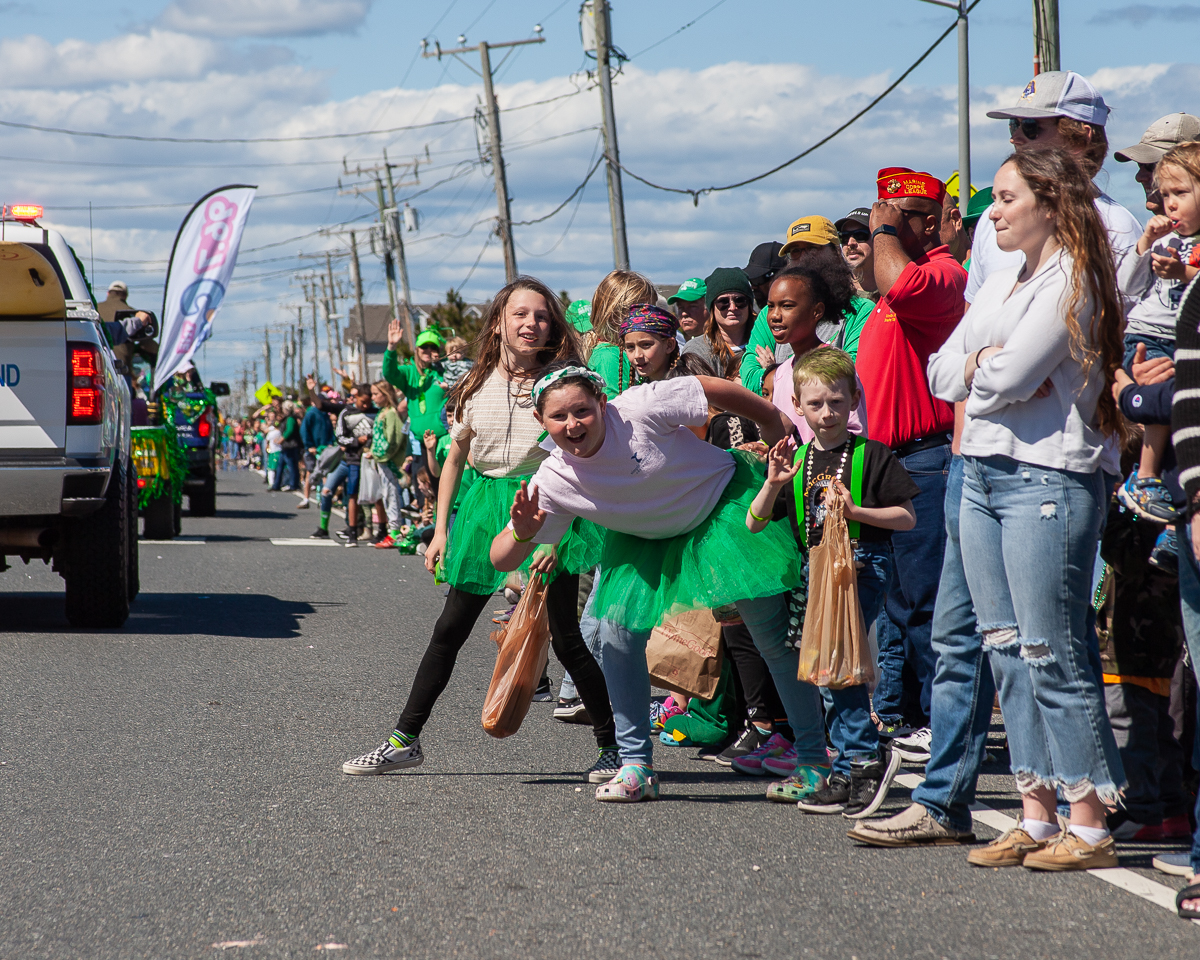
68	494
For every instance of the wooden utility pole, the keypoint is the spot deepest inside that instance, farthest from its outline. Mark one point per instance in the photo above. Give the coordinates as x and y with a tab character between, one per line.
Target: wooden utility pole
266	354
331	310
616	198
1045	36
356	274
504	221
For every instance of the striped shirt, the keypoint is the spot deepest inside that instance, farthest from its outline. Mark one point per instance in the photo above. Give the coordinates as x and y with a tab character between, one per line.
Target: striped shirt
498	418
1185	406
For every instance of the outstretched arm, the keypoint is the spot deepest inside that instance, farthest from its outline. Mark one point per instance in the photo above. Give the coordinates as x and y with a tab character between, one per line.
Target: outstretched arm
513	544
733	398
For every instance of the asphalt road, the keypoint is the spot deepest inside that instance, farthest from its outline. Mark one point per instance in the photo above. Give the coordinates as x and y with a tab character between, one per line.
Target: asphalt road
173	789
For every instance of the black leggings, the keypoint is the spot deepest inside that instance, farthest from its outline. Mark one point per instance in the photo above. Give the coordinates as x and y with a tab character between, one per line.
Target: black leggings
453	628
759	699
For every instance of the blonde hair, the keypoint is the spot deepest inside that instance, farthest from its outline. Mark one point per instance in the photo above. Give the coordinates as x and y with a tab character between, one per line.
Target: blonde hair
826	365
616	293
456	345
387	390
1183	156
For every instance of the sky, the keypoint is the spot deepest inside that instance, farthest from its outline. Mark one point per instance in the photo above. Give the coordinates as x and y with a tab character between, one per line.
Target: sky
745	86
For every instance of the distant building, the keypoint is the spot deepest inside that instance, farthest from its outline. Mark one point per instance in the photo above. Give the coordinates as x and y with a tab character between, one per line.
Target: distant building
377	316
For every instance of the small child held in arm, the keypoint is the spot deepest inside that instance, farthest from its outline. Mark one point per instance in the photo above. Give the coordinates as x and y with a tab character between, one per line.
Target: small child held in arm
1166	260
877	494
456	363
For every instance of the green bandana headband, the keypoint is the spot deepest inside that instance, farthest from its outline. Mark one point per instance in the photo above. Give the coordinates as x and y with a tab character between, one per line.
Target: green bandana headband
564	373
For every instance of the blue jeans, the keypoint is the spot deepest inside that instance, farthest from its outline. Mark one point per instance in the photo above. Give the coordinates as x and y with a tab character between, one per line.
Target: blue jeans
851	729
628	679
1189	595
1033	533
1155	347
343	471
904	634
288	473
963	688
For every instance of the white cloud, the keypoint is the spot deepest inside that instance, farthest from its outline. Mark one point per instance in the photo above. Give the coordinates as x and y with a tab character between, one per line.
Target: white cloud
265	18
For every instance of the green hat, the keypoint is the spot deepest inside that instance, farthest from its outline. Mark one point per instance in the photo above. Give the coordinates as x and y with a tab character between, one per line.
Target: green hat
431	337
689	290
979	203
579	315
726	280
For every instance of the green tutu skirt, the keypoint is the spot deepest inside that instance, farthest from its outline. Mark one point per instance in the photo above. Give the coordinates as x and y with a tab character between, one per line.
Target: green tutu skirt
483	513
715	563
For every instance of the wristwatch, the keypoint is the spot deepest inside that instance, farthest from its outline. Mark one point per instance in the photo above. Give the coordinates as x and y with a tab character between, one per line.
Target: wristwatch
886	229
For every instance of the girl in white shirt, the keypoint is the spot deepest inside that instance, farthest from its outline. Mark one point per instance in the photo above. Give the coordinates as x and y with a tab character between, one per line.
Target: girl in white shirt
675	510
1034	360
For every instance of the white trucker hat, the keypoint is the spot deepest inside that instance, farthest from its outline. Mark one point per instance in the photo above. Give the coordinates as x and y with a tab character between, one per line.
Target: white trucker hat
1058	93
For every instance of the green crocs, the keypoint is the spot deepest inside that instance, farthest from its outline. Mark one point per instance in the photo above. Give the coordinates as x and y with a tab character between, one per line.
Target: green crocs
801	785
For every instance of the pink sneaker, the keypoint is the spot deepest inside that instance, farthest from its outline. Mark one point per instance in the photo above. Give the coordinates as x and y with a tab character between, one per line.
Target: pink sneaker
783	765
752	763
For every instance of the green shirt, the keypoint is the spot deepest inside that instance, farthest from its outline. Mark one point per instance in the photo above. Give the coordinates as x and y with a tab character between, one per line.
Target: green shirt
468	475
847	339
610	362
424	390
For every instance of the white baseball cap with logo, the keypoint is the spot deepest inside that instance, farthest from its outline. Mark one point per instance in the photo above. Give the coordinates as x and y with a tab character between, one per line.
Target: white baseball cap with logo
1057	93
1164	133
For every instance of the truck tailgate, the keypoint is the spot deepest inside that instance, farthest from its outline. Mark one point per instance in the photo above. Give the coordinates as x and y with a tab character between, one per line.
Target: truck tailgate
33	411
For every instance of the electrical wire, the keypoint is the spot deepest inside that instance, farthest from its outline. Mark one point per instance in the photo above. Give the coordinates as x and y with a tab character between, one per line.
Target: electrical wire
471	272
697	193
574	194
571	221
677	32
160	206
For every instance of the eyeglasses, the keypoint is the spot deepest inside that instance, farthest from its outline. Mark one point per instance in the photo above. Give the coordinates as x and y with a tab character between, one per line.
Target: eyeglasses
858	236
724	303
1029	128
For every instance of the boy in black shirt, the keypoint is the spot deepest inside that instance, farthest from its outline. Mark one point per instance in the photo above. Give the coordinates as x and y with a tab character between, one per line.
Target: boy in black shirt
877	495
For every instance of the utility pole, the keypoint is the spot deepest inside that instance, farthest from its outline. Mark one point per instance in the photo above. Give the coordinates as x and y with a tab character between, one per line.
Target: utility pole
1045	36
964	101
266	354
398	246
356	276
331	307
616	198
504	222
300	345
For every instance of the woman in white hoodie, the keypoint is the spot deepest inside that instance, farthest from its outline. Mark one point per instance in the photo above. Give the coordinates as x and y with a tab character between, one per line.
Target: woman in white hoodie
1034	360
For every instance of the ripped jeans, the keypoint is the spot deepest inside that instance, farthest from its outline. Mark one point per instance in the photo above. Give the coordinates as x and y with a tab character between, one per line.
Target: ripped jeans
1029	536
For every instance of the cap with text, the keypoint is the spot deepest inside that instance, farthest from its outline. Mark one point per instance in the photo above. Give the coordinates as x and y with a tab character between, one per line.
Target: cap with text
690	290
817	231
1164	133
896	183
858	217
1057	93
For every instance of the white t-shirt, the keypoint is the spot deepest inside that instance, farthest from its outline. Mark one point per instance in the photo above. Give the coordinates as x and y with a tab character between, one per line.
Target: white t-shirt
274	440
498	418
652	477
1124	231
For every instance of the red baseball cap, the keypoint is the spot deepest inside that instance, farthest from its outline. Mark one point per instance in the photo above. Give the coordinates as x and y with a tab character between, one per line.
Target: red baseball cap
897	182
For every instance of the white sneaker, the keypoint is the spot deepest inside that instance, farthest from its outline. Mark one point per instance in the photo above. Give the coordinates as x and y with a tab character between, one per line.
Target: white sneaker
915	747
385	758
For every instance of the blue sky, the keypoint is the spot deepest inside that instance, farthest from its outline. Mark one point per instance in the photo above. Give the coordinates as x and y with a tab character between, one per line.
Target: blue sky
746	86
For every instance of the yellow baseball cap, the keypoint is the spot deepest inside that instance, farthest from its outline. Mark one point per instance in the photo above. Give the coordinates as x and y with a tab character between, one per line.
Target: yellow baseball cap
818	231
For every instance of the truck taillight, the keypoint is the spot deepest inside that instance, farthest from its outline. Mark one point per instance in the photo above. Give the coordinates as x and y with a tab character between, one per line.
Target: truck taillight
85	401
204	427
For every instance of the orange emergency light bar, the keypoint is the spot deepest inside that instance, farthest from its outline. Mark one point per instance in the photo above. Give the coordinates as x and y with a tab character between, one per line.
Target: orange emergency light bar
26	211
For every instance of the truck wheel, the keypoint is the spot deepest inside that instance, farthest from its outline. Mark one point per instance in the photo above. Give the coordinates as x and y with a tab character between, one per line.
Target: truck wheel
96	555
177	513
203	503
135	581
160	518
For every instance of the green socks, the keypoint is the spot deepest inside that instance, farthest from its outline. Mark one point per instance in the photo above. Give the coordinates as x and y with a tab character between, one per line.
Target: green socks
324	521
401	740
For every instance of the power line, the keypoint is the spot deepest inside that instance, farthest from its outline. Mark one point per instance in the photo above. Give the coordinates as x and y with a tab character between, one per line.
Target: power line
677	32
574	194
160	206
697	193
309	137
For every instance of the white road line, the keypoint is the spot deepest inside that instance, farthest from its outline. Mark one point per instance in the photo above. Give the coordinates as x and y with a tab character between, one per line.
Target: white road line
1156	893
303	542
180	541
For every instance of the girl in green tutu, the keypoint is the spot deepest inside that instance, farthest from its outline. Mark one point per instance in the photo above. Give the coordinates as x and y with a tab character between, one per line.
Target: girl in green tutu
675	508
495	425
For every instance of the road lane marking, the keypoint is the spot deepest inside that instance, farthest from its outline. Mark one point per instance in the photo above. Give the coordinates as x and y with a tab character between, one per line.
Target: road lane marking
180	541
303	542
1143	887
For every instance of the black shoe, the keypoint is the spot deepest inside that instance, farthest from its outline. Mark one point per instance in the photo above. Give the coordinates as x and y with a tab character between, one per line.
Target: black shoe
543	693
749	740
870	783
352	540
343	534
319	534
831	798
573	711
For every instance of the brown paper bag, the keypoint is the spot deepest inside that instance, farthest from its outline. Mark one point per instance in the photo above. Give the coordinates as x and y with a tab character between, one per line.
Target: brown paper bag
834	650
523	643
684	654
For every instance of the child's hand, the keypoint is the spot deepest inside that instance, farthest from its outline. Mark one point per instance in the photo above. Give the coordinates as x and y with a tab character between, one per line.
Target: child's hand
754	447
1158	227
838	489
430	440
780	466
527	519
1168	267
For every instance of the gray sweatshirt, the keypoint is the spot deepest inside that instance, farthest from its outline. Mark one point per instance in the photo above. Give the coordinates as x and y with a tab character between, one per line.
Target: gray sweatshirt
1153	315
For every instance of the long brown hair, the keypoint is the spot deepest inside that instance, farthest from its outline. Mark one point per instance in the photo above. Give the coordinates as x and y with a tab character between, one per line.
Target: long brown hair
616	293
561	344
1061	184
712	330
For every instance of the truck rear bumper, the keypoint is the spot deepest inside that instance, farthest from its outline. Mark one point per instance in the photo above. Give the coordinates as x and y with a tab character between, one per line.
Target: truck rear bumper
52	485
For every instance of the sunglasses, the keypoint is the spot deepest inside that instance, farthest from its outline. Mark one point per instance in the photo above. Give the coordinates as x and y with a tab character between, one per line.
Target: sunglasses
1029	128
859	236
724	303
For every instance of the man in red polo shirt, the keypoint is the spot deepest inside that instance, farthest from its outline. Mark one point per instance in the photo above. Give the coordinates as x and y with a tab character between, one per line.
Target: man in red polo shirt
921	302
